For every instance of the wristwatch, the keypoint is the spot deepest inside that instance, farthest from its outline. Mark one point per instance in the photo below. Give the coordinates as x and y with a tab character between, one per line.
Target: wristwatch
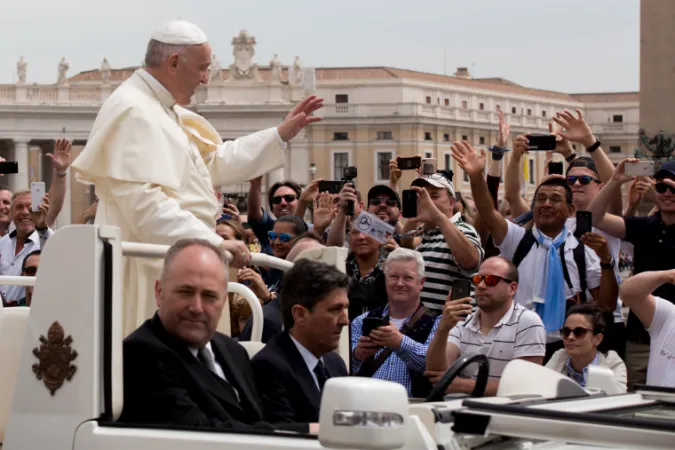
593	147
498	152
572	156
610	265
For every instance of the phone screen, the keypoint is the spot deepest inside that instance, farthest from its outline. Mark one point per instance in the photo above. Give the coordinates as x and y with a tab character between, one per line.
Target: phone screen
541	142
37	191
555	168
584	223
370	324
409	203
412	163
332	187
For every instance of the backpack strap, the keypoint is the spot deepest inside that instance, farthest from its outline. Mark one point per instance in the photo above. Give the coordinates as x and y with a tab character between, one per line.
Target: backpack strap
580	260
566	273
524	247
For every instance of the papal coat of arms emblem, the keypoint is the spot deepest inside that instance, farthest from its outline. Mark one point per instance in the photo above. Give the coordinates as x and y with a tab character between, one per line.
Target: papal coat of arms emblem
55	357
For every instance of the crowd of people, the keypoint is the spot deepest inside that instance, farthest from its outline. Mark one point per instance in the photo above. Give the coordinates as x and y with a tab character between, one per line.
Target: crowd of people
537	289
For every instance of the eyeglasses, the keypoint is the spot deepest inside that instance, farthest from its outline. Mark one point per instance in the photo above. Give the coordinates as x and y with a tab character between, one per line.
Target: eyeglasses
490	280
288	197
283	237
541	199
584	180
378	201
661	188
579	332
30	270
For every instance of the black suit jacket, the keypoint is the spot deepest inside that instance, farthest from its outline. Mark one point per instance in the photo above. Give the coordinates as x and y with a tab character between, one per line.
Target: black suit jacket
285	384
272	323
164	384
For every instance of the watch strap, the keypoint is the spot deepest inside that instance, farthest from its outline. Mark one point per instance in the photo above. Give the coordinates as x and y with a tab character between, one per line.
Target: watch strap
593	147
571	158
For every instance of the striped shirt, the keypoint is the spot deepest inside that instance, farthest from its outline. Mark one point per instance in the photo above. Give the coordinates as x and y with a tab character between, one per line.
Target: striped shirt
440	266
518	334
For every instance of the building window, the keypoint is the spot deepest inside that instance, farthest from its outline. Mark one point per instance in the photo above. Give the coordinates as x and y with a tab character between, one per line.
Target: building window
617	118
498	108
513	110
448	163
341	136
481	140
428	100
466	177
383	159
531	171
340	163
465	137
465	104
447	102
481	106
446	137
543	113
427	136
438	100
615	149
529	112
428	155
384	136
341	98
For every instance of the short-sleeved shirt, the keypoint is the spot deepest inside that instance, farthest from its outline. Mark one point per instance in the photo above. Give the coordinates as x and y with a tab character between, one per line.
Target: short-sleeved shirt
661	369
440	266
519	334
654	246
10	262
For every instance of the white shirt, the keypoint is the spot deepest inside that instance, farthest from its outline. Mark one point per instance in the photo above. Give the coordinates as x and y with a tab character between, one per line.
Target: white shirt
207	347
661	369
10	262
520	333
309	358
530	272
614	245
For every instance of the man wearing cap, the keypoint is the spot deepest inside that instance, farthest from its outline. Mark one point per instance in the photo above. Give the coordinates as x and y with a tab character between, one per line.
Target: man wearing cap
450	246
155	163
653	238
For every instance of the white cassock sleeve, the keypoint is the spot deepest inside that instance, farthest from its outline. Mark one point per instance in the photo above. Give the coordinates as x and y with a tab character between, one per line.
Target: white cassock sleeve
243	159
155	218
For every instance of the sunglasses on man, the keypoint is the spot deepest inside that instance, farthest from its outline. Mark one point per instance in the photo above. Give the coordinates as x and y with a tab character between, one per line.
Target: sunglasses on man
579	332
378	201
661	188
283	237
584	180
288	197
490	280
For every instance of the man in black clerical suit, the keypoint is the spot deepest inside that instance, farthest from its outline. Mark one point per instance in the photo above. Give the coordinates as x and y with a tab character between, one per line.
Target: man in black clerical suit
177	369
291	370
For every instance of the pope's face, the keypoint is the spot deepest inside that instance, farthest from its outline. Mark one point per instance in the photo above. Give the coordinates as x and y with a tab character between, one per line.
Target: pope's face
192	70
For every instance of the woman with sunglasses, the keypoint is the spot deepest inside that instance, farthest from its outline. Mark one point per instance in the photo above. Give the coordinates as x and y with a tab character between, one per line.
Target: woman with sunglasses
582	335
281	237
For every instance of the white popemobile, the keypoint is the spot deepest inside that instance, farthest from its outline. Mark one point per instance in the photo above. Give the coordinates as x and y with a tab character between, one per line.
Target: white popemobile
66	382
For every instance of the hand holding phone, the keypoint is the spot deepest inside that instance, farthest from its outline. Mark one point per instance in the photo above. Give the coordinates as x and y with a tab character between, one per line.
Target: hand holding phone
541	142
409	203
584	223
412	163
456	311
555	168
37	191
372	323
639	169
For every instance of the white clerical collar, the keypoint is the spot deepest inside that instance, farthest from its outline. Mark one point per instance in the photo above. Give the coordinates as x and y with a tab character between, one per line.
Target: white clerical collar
307	356
160	91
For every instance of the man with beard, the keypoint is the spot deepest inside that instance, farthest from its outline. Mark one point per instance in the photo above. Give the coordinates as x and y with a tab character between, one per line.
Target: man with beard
500	329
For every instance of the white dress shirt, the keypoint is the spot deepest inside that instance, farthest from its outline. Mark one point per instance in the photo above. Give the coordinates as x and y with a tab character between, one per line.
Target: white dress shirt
309	358
207	347
10	262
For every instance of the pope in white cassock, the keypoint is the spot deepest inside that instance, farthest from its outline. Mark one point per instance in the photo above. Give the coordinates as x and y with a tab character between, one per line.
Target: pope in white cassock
155	163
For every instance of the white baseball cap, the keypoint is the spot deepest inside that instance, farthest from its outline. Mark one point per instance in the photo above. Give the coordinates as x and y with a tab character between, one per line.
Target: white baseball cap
436	180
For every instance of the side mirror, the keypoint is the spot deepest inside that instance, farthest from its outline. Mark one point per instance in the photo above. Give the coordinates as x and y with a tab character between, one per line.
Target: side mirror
366	413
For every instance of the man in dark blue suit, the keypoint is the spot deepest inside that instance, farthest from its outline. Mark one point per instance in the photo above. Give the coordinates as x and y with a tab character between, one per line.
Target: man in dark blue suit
291	370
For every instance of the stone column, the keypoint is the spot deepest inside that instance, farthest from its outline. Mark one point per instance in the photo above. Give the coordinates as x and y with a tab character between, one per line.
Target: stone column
298	159
657	66
20	155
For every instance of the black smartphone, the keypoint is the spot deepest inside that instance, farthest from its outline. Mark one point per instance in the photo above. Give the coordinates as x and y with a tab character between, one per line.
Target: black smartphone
412	163
372	323
541	142
409	203
9	167
460	289
555	168
584	223
332	187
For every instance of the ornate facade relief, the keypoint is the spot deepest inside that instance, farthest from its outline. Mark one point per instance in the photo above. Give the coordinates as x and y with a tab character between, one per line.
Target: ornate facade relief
243	67
295	74
275	68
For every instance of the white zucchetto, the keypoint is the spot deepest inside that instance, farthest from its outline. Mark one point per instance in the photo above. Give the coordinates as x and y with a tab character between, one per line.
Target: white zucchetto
179	32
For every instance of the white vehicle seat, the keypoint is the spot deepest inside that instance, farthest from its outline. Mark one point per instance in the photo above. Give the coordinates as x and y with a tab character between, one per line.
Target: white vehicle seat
13	322
252	347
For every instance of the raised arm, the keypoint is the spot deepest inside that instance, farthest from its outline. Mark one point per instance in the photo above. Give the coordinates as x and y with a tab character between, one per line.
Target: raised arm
637	290
514	170
57	191
473	164
254	207
609	223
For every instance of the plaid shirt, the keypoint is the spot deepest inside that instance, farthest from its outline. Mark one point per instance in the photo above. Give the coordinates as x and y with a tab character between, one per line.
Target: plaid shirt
411	355
582	377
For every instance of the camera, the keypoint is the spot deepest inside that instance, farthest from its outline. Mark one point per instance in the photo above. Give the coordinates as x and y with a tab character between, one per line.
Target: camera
348	175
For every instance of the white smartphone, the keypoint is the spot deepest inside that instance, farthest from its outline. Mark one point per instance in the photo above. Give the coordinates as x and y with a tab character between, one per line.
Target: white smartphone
37	193
639	169
428	166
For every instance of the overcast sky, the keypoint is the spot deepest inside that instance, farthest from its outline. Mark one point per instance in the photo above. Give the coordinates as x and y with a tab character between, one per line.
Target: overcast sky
566	45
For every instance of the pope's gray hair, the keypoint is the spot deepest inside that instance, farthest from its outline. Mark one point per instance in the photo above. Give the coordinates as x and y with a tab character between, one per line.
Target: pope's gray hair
158	52
405	255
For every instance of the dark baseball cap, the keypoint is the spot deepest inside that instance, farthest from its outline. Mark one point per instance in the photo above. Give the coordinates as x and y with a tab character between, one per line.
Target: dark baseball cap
380	189
666	171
